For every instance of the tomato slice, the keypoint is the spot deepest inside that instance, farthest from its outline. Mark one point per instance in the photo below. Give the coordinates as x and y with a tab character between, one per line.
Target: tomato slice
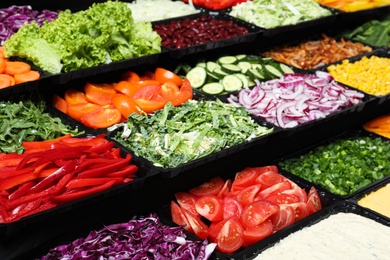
257	212
275	189
179	218
184	94
99	98
186	201
210	207
199	227
255	234
102	117
124	104
230	237
283	218
212	187
313	201
263	169
214	229
149	106
99	87
298	192
231	208
283	198
148	98
301	210
244	178
269	178
163	76
77	111
225	189
73	96
247	195
130	76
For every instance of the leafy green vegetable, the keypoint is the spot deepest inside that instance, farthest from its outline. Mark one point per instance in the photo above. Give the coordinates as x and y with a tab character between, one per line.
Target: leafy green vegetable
26	121
275	13
103	33
176	135
374	32
344	165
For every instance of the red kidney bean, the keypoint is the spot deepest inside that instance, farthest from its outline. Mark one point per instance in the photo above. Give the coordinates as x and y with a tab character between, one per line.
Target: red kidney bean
188	32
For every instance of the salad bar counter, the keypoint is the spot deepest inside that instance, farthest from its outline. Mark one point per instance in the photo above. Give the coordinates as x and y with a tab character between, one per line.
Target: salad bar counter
238	130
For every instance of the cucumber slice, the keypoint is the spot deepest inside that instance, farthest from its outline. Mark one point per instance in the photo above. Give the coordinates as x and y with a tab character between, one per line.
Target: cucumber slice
211	66
201	64
213	88
244	65
285	68
255	74
231	83
227	60
240	57
230	68
273	71
197	77
243	78
219	73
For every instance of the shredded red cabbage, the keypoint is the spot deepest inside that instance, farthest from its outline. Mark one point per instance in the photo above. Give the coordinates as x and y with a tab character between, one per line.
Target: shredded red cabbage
13	17
144	238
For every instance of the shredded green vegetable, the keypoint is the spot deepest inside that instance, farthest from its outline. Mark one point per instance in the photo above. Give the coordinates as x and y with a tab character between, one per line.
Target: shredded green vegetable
176	135
343	166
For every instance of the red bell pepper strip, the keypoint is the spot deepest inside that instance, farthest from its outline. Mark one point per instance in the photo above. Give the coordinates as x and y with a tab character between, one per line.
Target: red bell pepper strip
24	209
128	172
13	172
98	172
87	182
101	147
22	189
43	145
93	164
71	196
22	178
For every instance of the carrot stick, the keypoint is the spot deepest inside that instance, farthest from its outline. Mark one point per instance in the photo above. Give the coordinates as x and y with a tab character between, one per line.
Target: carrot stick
60	104
2	64
28	76
16	67
6	81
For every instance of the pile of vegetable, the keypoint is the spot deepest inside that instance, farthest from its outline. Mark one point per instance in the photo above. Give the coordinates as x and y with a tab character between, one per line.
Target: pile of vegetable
15	72
140	238
311	54
182	33
229	74
214	4
27	120
379	125
103	33
176	135
162	9
344	165
353	5
101	105
58	171
14	17
276	13
294	99
374	32
369	74
239	213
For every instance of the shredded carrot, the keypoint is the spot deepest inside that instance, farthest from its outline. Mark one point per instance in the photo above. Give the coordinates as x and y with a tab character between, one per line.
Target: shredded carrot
6	81
16	67
28	76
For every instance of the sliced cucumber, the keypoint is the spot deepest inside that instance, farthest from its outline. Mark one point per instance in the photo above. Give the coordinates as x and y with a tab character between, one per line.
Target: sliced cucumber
201	64
230	68
240	57
256	66
273	71
255	74
211	66
243	78
231	83
227	60
197	77
285	68
267	60
211	77
219	73
213	88
244	65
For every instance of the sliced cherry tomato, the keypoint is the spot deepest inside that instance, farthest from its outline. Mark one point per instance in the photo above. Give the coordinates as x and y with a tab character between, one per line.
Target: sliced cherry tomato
214	229
124	104
263	169
210	207
73	96
257	212
99	98
77	111
102	117
130	76
269	178
186	201
297	191
149	106
99	87
179	218
247	195
169	90
275	189
225	189
163	76
230	237
244	178
301	210
254	234
313	201
231	208
212	187
283	218
149	92
282	198
199	227
184	94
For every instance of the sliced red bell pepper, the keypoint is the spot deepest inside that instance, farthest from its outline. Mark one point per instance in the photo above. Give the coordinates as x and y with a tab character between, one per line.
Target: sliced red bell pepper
98	172
87	182
88	141
78	194
128	172
43	145
22	178
21	190
101	147
23	210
